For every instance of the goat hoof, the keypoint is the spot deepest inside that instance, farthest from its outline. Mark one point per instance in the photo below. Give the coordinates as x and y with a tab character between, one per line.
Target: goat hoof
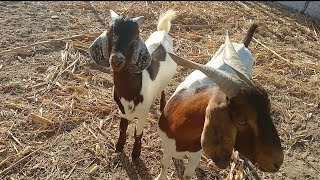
135	157
119	148
136	153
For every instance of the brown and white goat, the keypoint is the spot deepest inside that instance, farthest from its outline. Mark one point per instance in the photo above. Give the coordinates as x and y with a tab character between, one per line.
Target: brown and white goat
217	111
140	70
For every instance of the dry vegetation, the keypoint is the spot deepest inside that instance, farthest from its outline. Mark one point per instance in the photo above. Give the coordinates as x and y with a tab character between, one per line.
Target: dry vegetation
57	116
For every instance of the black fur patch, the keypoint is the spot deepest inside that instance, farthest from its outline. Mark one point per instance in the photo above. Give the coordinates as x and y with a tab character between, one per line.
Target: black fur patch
159	54
117	100
125	35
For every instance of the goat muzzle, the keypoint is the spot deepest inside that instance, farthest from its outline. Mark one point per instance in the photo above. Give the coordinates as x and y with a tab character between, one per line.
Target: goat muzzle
117	61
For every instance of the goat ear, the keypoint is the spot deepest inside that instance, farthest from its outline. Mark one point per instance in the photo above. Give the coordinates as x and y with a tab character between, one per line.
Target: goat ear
138	20
113	14
99	50
141	58
219	135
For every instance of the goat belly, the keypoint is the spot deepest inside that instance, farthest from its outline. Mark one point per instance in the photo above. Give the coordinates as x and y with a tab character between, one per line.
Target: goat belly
183	117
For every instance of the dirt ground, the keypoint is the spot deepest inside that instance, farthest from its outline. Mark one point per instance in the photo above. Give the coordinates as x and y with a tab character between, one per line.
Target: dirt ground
57	116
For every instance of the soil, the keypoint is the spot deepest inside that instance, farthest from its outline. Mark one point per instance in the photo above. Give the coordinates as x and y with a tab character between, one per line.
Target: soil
76	136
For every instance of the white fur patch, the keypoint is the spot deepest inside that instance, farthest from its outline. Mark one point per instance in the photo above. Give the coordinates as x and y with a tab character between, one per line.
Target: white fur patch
169	146
217	62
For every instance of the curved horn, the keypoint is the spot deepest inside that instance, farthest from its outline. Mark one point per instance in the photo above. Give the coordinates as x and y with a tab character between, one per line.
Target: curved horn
228	83
139	19
113	14
231	58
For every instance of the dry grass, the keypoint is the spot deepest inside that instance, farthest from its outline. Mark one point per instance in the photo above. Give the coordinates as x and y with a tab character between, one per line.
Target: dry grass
59	121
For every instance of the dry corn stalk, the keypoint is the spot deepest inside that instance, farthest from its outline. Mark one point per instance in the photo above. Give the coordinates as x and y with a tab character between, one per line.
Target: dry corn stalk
40	119
93	170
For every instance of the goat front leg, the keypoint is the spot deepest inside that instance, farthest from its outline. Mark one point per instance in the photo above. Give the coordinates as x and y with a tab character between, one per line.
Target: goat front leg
193	162
138	132
162	101
123	134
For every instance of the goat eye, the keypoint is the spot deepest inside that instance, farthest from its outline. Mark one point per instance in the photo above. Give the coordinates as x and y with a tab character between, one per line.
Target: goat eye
241	121
133	39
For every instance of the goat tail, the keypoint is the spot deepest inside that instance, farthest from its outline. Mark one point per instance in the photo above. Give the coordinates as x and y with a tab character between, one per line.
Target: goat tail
246	41
164	20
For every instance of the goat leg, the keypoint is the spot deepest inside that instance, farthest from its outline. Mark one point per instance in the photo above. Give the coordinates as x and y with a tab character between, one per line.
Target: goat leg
162	101
123	135
137	145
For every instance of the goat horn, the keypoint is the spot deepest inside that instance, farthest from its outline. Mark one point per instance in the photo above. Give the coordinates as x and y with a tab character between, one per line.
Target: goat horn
228	83
231	58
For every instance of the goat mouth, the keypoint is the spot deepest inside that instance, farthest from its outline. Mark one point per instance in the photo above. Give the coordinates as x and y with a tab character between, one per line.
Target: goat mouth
117	66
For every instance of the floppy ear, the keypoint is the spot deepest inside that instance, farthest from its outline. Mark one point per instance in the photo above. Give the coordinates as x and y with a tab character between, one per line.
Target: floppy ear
140	59
219	135
99	50
138	20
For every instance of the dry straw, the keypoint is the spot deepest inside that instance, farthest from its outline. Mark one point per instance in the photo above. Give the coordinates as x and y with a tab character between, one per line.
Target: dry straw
68	116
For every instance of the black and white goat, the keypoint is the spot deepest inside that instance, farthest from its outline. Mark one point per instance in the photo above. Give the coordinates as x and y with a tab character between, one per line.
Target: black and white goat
141	70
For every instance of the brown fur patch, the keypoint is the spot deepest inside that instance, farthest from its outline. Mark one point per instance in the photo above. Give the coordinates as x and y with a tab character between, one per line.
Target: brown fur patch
187	114
259	127
128	86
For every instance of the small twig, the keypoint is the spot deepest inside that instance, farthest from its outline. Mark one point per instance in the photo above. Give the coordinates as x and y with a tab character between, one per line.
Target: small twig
271	50
72	64
95	12
195	25
15	139
243	5
9	51
88	165
310	165
71	171
89	129
250	167
199	57
16	163
314	30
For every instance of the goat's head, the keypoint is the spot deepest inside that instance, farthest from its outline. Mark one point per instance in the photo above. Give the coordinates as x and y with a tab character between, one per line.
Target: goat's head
239	118
121	46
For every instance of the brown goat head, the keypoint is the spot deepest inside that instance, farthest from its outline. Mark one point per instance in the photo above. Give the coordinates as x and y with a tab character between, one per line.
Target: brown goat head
257	138
239	117
121	46
242	122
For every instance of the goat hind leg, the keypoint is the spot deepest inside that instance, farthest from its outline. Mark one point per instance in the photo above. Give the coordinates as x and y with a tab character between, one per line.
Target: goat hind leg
123	134
162	101
138	132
